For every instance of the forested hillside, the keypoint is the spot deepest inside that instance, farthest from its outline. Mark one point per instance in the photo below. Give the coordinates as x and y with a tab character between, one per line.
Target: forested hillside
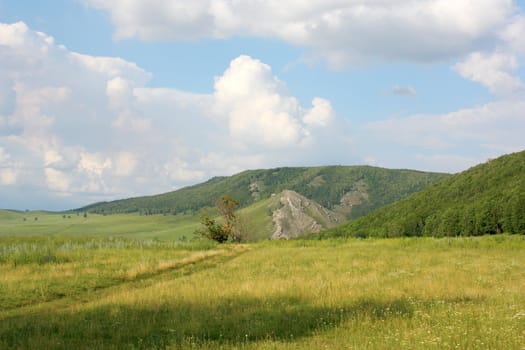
486	199
352	190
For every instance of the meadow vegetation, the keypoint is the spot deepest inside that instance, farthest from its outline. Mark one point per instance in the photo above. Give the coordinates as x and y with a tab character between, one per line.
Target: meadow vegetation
412	293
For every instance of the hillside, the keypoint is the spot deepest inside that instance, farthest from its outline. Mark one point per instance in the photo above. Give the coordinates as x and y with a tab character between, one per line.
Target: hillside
486	199
349	190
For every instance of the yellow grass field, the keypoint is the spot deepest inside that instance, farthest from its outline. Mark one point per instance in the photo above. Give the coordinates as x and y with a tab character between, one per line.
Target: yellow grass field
418	293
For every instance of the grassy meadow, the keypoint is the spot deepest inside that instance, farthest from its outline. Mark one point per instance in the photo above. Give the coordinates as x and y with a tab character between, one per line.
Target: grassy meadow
158	227
93	292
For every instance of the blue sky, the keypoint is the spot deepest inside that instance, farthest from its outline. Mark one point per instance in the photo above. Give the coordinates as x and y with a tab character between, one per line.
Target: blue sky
102	100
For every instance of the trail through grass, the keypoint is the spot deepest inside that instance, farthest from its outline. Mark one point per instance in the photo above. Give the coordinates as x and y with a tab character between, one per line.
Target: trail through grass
45	270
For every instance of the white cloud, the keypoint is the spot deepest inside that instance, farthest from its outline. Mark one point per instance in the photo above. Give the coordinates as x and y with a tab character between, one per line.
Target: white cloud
112	67
57	181
496	66
51	157
120	92
88	129
8	176
120	96
12	35
341	31
494	70
258	109
321	114
93	164
514	33
125	163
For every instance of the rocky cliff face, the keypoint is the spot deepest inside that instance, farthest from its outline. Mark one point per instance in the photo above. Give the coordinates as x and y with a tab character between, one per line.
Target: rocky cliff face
296	215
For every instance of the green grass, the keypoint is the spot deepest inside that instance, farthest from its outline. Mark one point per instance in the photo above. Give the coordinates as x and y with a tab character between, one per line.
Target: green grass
419	293
162	227
257	220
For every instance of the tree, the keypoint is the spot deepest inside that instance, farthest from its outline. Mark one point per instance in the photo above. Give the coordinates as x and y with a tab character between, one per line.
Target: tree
228	228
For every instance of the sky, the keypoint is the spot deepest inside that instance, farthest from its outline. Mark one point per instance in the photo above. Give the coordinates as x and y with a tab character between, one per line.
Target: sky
109	99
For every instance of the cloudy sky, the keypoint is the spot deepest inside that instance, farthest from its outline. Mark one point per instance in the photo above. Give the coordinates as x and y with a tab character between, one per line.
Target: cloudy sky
106	99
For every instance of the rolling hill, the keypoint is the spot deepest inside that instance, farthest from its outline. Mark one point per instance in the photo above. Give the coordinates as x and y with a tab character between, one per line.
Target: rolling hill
486	199
349	190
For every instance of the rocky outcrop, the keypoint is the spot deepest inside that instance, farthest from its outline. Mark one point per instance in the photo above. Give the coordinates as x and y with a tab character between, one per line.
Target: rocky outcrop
296	215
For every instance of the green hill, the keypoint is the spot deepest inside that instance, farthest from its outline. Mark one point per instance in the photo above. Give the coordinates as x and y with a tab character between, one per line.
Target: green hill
350	190
486	199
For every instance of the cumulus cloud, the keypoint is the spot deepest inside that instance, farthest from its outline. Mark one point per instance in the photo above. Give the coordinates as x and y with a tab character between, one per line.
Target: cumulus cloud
256	110
321	113
259	110
88	128
341	31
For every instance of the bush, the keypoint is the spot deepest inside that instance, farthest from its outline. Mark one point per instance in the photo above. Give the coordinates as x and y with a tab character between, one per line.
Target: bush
230	228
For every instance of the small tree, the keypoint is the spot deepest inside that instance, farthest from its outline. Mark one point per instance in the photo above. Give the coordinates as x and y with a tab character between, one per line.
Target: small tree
229	228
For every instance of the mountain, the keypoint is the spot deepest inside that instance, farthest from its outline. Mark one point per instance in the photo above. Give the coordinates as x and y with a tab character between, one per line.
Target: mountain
486	199
349	191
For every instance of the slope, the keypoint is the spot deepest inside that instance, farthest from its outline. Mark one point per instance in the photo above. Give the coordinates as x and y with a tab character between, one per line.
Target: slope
486	199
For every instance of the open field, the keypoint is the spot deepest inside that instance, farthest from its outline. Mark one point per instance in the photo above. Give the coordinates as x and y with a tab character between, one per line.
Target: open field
161	227
418	293
255	219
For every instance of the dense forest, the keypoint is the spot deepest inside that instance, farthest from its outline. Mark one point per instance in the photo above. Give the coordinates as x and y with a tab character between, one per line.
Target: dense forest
325	185
486	199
